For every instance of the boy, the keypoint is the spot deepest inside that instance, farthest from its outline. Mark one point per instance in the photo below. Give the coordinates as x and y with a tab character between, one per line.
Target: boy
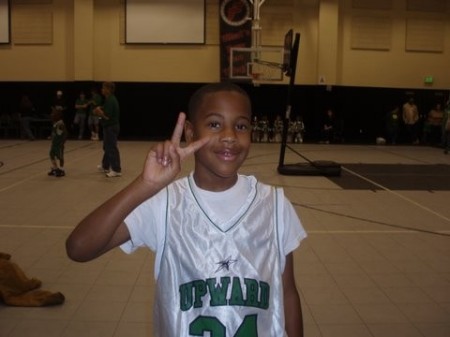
58	137
223	241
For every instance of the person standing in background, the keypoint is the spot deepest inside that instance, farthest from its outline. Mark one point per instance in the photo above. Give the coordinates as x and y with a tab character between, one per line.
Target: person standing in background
446	128
410	114
110	120
93	120
328	127
432	129
392	124
59	103
26	111
58	137
81	106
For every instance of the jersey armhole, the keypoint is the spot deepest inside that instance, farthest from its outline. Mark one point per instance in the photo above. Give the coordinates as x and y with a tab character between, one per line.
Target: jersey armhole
164	237
279	197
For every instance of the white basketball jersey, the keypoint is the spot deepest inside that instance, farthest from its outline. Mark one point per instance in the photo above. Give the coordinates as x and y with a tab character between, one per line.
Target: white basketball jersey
219	283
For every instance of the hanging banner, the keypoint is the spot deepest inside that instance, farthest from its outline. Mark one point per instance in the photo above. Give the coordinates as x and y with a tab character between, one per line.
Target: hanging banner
235	31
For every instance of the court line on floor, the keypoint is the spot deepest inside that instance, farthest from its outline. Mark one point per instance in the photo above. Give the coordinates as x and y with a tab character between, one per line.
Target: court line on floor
39	173
376	222
20	182
43	159
425	208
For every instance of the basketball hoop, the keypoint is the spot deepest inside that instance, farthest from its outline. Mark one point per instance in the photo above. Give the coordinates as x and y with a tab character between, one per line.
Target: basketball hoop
256	76
262	64
256	79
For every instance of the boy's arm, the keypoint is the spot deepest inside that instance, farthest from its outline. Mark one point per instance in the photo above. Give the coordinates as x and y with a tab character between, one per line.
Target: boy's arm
104	228
292	306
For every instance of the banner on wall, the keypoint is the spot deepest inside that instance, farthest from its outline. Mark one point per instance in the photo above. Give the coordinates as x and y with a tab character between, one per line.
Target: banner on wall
235	31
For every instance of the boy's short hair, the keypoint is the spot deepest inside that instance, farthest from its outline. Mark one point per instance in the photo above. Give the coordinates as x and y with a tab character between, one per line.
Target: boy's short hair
110	86
198	96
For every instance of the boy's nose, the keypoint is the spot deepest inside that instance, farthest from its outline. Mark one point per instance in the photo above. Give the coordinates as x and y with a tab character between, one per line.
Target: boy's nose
228	135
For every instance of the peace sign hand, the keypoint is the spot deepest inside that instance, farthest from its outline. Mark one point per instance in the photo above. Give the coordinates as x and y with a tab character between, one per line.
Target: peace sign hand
163	162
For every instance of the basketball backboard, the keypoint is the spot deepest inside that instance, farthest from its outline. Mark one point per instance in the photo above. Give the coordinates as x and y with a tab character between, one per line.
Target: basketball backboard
262	64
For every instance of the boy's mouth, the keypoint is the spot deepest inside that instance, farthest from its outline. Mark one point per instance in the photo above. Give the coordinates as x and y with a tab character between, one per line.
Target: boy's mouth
227	154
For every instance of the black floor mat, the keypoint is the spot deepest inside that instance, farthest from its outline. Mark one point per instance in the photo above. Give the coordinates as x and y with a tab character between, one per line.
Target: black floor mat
394	177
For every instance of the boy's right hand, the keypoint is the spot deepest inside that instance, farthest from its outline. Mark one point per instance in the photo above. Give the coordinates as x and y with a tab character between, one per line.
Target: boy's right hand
163	162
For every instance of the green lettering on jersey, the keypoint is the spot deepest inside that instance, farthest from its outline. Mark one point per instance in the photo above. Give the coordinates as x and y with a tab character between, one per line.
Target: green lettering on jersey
264	295
218	292
252	292
215	328
185	296
236	297
191	294
257	294
248	328
199	292
209	324
249	293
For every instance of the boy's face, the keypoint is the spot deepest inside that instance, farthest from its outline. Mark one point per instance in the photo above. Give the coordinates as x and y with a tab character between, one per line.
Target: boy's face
225	117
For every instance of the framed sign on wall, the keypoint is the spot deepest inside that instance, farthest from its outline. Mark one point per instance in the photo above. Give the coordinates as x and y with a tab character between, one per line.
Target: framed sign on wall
165	21
5	25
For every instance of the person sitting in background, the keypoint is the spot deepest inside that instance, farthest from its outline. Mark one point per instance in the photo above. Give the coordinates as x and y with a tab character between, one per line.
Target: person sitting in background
297	130
277	129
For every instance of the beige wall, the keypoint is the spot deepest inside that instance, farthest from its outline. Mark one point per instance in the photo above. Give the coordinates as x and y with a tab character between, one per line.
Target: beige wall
30	56
87	44
117	61
395	67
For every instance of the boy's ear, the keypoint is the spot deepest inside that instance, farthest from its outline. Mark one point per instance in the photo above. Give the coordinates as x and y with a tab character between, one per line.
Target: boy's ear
188	132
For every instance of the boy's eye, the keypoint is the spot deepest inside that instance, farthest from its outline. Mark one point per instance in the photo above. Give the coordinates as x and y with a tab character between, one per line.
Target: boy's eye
242	127
214	125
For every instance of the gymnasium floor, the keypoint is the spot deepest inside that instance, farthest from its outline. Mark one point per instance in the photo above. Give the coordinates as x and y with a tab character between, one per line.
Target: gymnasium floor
376	261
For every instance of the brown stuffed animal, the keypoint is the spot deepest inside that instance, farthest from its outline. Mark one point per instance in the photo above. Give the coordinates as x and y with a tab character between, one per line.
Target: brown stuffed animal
16	289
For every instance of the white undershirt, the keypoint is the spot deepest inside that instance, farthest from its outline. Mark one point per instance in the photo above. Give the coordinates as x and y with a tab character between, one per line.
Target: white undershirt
213	204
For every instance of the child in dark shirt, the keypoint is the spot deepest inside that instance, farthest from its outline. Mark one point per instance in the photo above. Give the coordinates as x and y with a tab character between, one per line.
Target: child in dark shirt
58	137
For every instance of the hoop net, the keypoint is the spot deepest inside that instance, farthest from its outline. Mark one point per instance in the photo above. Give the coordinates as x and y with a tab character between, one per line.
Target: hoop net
264	72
